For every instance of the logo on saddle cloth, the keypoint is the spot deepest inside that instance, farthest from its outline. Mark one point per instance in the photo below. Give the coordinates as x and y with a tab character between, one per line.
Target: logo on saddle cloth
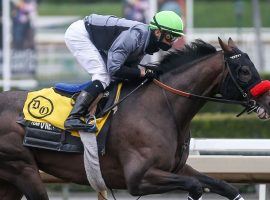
47	106
40	107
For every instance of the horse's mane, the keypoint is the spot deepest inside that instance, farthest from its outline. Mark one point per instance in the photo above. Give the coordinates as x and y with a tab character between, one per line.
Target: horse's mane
189	53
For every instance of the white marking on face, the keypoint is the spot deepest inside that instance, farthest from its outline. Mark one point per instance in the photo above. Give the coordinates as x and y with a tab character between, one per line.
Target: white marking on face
235	56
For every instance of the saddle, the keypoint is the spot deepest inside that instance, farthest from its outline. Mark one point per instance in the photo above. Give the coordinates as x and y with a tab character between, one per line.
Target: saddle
45	111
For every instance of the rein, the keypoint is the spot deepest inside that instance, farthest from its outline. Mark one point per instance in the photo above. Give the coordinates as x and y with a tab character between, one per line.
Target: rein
194	96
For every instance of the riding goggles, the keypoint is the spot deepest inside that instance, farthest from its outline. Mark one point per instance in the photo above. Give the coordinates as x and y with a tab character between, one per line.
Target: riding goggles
170	37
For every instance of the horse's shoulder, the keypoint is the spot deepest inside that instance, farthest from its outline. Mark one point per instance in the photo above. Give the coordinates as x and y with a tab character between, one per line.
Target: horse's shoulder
12	98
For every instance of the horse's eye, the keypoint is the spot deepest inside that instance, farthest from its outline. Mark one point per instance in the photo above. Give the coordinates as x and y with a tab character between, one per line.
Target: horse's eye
244	74
245	70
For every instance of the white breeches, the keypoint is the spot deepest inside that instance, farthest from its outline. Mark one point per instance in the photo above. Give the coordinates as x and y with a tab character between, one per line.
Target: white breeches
78	42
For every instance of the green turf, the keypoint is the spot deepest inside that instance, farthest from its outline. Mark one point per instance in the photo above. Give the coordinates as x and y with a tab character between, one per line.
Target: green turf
212	125
223	14
209	13
80	9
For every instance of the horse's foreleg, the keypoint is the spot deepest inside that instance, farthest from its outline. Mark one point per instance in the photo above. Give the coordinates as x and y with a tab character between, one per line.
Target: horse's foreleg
23	176
18	167
30	183
9	192
213	185
155	181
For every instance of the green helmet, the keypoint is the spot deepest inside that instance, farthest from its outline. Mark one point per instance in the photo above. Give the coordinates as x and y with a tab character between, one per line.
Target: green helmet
168	21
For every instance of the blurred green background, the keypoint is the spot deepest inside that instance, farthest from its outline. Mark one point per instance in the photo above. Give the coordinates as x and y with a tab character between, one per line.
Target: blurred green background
213	13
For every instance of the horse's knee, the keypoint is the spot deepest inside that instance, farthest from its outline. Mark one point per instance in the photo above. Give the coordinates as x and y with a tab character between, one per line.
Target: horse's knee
30	183
134	191
195	189
133	182
133	187
133	179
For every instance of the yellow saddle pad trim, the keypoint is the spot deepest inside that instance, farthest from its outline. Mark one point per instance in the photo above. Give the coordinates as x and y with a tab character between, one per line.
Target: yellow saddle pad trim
50	107
47	106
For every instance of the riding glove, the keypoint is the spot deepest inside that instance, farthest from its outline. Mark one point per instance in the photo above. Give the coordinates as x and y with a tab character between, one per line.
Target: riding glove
151	74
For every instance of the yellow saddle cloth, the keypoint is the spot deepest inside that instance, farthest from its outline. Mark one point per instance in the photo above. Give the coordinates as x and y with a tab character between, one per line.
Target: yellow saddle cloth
48	106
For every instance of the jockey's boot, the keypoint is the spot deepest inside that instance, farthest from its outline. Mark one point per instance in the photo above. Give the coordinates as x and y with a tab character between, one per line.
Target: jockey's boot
79	110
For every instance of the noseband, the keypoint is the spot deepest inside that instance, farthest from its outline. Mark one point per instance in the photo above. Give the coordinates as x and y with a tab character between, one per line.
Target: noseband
249	104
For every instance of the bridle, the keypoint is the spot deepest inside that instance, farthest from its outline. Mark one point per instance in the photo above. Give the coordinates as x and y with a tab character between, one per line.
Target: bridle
248	103
242	92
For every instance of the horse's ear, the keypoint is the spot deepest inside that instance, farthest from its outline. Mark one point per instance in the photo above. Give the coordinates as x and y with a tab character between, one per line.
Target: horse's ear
231	43
224	46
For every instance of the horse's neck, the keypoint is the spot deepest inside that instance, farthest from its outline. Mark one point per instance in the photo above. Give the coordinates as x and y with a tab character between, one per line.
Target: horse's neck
201	79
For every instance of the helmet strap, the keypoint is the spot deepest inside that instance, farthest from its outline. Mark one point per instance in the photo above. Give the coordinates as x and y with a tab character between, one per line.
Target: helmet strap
152	46
161	44
161	37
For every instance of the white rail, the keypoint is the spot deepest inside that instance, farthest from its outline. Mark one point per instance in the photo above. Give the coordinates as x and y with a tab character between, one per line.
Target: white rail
246	163
230	146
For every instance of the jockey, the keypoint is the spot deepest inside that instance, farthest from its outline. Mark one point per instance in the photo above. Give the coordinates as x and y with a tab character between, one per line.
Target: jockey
107	46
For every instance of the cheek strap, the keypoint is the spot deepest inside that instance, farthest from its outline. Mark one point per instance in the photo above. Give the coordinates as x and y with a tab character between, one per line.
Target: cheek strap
260	88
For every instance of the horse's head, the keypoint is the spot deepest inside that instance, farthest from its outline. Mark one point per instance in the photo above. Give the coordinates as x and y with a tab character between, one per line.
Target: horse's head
243	80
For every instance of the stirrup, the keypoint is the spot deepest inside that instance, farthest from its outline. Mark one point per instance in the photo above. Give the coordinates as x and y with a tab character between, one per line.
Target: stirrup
89	126
83	128
92	121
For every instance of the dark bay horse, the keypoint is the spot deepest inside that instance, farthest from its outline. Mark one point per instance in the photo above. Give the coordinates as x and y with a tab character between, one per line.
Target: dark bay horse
149	136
